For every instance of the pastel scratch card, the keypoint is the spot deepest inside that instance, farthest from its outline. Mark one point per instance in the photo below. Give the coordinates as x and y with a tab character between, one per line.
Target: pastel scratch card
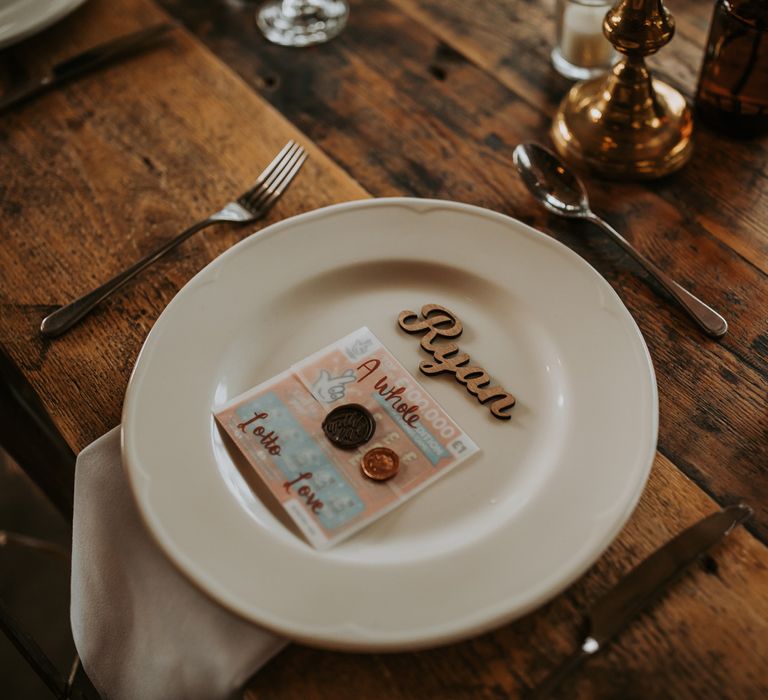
320	466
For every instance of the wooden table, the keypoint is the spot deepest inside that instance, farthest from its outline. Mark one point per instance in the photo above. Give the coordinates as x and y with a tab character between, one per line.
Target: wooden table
424	98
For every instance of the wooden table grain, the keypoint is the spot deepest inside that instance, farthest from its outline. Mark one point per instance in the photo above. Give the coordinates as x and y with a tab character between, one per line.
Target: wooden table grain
424	98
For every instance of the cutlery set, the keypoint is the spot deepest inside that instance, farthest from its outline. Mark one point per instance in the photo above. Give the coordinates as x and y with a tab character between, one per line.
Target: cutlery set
562	193
548	179
84	62
556	188
252	205
641	586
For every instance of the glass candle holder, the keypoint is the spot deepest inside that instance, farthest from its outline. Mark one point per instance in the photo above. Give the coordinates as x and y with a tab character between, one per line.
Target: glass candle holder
581	50
302	22
733	86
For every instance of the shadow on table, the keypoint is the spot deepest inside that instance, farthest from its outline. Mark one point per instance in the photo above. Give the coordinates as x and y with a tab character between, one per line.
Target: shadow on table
34	586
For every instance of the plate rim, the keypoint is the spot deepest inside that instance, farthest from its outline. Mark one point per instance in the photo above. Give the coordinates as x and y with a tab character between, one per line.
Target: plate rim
443	633
41	22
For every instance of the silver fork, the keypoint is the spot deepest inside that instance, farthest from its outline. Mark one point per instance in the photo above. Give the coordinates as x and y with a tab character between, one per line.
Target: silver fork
250	206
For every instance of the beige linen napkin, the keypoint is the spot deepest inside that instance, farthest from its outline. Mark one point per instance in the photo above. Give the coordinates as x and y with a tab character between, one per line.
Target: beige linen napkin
143	630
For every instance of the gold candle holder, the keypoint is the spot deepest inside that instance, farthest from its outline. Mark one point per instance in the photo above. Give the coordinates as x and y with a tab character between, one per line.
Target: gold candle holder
626	124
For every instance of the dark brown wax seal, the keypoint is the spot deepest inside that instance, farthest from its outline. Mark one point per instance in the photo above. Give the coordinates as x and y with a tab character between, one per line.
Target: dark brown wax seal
349	425
380	464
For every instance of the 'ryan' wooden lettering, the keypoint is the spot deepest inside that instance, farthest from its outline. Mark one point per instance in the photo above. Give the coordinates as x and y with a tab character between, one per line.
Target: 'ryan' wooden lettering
439	322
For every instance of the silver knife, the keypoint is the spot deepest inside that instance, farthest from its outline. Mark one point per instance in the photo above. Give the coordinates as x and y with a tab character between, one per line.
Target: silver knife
82	63
611	613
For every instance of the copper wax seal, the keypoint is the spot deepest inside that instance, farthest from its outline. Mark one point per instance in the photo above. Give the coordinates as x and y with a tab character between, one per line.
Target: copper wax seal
349	426
380	464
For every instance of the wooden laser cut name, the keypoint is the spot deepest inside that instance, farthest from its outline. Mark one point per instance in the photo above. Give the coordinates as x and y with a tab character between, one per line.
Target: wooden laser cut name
439	322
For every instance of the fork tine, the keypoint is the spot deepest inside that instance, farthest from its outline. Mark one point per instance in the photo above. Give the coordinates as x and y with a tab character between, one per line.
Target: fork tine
263	192
280	187
256	202
286	162
269	170
247	198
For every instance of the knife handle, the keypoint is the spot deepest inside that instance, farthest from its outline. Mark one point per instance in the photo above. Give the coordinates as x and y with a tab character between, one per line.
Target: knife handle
81	63
109	51
545	689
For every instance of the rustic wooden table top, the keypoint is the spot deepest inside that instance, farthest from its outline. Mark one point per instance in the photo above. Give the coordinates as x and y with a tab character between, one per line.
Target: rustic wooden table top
425	98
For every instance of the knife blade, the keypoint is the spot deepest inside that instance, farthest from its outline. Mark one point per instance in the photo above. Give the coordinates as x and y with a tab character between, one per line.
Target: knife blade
83	62
613	611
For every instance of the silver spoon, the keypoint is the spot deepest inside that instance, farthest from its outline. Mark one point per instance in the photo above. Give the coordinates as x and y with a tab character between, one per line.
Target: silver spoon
562	193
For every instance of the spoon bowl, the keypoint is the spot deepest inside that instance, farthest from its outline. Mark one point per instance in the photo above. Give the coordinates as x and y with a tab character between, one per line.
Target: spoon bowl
547	179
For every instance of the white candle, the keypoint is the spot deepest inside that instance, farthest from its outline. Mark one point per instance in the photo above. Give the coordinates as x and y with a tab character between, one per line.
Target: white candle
582	42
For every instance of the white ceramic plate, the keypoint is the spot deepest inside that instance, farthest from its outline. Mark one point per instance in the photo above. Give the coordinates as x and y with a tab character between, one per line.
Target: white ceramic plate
22	18
488	542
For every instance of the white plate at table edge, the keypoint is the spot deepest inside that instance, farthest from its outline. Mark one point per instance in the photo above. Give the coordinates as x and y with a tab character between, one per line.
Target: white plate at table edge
34	17
356	633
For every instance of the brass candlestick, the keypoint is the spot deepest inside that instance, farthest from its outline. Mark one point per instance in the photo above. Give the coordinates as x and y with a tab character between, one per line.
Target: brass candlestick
626	124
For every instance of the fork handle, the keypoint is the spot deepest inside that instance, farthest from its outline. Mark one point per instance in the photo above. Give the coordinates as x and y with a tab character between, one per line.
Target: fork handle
67	316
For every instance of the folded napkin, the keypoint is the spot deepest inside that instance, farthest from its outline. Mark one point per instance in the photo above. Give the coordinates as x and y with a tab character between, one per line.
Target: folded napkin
141	629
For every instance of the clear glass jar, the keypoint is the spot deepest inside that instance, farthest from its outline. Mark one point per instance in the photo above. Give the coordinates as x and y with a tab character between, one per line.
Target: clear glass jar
302	22
581	50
